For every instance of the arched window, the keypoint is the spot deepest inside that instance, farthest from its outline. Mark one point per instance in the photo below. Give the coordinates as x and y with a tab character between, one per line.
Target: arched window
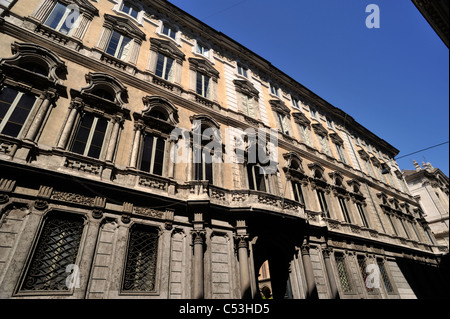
152	131
95	117
32	80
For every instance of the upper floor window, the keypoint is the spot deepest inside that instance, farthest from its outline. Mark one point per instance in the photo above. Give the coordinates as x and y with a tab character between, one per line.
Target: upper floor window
203	85
258	180
344	209
169	31
130	9
298	193
165	67
202	49
248	106
90	135
313	113
283	120
69	18
62	18
362	214
295	102
242	70
384	276
15	107
119	46
274	90
340	151
323	202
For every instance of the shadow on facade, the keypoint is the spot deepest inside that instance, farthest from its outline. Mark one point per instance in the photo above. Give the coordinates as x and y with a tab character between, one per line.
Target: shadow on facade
427	282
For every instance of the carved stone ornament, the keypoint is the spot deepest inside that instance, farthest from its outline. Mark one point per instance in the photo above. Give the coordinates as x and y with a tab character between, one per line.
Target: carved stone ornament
40	204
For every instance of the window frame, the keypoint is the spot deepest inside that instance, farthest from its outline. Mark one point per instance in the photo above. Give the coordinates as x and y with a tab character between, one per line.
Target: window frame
202	90
13	106
119	46
166	74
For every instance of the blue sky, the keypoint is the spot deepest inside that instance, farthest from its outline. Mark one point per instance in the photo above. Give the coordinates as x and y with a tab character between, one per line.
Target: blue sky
393	80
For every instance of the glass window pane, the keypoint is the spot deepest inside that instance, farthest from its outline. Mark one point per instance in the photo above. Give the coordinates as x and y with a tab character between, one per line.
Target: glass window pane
159	156
97	139
160	66
124	48
69	22
79	144
55	17
169	64
113	43
199	83
7	96
147	151
19	115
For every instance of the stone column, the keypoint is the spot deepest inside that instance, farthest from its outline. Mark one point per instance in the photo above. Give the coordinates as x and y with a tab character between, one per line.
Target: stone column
40	116
198	285
242	246
310	282
114	136
330	273
198	238
138	127
68	126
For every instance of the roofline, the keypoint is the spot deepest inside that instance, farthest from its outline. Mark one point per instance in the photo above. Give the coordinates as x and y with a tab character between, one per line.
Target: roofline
264	64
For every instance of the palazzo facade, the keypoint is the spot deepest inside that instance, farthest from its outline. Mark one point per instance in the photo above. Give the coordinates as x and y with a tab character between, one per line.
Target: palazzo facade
105	104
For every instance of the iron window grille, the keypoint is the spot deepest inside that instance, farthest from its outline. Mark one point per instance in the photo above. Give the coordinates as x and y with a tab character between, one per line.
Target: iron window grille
342	273
56	249
362	262
140	268
385	276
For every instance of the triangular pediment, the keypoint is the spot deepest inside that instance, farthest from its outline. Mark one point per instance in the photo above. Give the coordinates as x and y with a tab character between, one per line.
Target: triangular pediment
124	25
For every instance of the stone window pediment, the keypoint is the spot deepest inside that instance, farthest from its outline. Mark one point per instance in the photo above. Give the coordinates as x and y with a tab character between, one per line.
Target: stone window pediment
167	48
301	119
34	64
293	166
334	136
280	107
125	26
205	67
104	92
159	114
319	129
247	88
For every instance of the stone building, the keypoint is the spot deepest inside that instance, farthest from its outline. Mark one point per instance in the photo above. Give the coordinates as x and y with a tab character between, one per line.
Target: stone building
128	168
429	186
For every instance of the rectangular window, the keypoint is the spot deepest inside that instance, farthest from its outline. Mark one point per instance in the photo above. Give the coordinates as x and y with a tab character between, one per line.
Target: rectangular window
119	46
242	70
362	214
298	193
62	19
140	268
204	166
342	272
295	102
248	105
90	136
402	222
392	224
168	31
313	113
203	84
257	179
274	90
130	9
164	67
323	203
304	133
340	151
56	249
384	276
153	155
284	123
202	50
363	269
15	107
324	144
344	210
